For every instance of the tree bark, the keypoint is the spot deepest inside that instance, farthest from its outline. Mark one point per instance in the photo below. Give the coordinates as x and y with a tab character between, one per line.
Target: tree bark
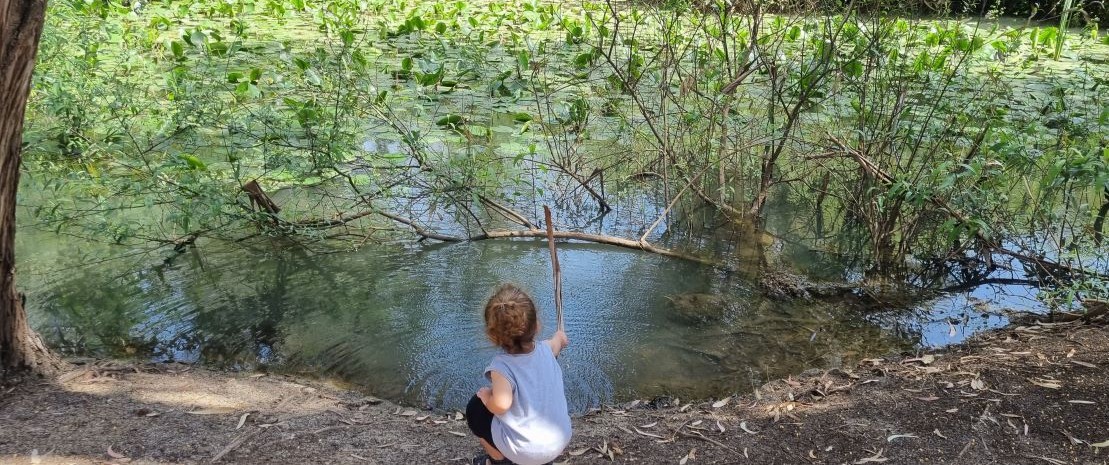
21	350
259	199
1099	222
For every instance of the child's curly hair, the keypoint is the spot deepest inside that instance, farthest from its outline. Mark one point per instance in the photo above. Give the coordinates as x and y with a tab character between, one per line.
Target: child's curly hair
510	320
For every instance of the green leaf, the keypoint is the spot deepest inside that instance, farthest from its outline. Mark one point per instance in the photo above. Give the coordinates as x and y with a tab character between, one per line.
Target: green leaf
178	49
523	59
313	77
450	120
193	162
219	49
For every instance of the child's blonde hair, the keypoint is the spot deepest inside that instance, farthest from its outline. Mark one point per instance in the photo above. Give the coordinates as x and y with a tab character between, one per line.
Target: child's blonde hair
510	319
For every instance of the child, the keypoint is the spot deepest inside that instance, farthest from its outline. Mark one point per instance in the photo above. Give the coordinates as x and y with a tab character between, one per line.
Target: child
523	418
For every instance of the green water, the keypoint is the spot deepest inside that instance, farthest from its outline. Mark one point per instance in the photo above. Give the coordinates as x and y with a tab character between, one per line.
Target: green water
403	322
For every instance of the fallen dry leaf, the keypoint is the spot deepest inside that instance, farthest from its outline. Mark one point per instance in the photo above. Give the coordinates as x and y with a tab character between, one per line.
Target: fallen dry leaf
408	413
648	425
690	456
1047	459
978	385
722	402
1086	402
938	433
575	453
114	454
1073	440
928	399
1085	364
876	458
1047	383
213	411
456	433
242	420
926	359
743	426
422	417
1101	444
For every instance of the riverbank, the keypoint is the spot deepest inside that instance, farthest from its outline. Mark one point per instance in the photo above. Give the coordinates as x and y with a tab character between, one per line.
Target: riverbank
1022	394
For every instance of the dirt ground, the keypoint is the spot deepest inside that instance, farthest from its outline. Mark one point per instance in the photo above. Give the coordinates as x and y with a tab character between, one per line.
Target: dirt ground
1036	394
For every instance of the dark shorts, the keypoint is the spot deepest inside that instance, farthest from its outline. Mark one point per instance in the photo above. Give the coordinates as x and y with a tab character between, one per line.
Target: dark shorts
480	420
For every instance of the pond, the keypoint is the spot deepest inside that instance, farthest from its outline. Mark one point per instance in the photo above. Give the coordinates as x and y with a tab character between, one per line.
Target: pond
403	321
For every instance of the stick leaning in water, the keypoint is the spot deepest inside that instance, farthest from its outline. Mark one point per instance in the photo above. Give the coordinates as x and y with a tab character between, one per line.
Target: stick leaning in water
554	264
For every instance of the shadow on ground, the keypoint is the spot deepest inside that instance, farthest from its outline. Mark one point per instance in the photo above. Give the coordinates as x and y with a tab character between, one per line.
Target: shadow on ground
1036	394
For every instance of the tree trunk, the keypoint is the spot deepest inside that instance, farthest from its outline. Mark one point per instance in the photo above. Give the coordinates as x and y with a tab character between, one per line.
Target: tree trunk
21	350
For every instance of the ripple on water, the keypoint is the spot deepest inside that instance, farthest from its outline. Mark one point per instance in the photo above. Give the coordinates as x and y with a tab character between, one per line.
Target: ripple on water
405	323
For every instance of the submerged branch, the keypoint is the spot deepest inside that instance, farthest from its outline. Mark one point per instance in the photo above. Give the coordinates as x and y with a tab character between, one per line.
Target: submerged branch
595	238
1041	264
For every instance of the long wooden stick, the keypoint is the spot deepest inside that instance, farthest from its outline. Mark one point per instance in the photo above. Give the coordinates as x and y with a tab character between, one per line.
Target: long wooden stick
554	264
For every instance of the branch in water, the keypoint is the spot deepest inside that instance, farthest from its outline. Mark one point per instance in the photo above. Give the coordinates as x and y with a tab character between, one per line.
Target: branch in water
595	238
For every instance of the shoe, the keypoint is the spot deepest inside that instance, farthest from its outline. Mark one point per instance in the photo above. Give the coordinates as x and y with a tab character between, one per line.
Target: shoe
485	459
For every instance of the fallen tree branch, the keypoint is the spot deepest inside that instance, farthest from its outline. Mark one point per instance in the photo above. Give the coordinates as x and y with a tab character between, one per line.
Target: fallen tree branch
510	214
425	234
669	207
531	232
341	220
595	238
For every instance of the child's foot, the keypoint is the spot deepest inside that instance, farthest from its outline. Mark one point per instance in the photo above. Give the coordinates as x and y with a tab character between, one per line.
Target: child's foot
485	459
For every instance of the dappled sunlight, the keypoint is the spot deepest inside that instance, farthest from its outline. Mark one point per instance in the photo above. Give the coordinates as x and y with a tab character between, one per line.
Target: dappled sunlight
46	458
203	393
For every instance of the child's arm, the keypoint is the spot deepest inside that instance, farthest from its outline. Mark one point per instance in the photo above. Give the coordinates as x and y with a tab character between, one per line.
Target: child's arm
558	342
498	399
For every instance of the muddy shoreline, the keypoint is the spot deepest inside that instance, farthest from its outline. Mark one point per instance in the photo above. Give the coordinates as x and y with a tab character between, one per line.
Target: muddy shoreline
1021	394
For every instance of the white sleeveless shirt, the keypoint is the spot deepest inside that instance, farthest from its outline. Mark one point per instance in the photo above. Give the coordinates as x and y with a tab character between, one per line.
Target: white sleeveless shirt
536	428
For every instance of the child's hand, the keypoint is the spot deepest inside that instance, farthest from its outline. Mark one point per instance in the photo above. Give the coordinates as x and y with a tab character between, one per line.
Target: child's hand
560	336
558	341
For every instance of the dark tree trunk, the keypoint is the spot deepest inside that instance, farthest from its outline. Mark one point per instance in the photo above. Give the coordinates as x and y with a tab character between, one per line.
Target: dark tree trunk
1099	222
21	350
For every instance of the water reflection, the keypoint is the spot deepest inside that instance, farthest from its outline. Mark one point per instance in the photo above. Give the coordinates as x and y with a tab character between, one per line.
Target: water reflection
404	323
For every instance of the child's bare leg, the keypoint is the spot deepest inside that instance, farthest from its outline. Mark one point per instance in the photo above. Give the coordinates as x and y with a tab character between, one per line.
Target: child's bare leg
492	451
